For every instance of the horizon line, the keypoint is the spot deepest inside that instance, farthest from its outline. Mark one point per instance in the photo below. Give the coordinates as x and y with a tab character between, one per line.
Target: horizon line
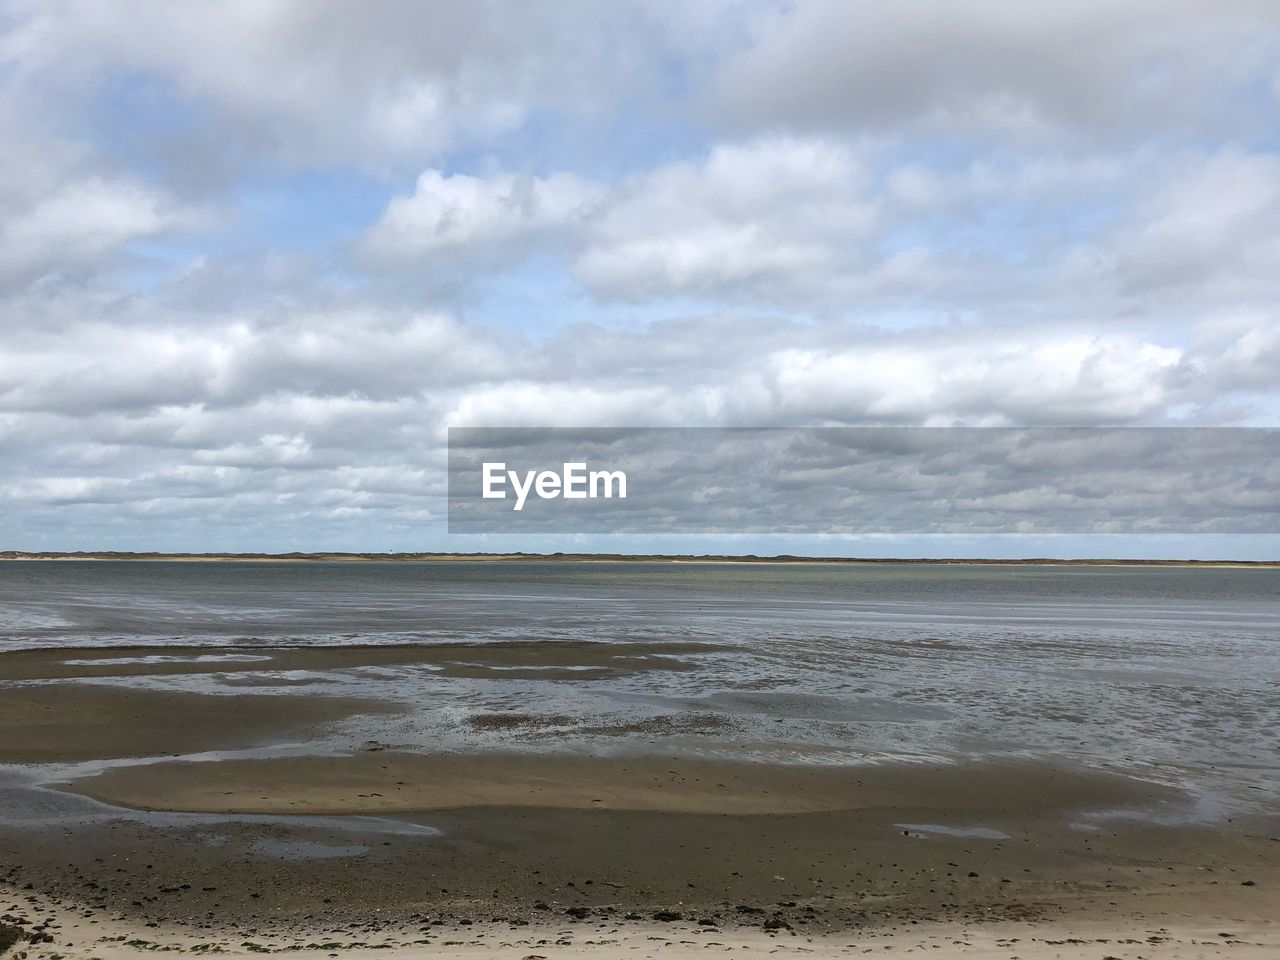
562	556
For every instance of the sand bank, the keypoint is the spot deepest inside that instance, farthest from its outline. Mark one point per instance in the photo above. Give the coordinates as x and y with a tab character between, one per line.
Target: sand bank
55	723
380	782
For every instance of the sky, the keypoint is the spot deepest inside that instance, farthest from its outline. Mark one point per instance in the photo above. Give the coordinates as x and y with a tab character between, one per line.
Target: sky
257	256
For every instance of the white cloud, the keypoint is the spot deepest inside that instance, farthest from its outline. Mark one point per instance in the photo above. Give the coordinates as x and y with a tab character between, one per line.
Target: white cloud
367	353
784	213
765	216
82	224
326	82
1033	378
1208	228
1087	68
477	218
273	449
267	424
772	219
60	213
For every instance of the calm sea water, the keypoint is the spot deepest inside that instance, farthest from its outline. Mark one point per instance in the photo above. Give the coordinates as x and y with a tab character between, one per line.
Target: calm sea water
1171	672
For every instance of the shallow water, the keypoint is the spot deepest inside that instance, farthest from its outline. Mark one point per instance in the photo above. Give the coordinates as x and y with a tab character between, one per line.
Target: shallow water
926	830
1174	673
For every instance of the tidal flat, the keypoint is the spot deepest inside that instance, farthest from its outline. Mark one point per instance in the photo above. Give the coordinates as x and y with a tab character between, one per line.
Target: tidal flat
638	758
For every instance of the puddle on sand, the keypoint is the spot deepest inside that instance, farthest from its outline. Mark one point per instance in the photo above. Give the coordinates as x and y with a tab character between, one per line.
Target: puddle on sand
933	829
1204	807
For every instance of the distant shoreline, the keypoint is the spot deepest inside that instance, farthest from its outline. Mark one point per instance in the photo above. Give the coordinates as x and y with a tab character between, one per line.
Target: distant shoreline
339	557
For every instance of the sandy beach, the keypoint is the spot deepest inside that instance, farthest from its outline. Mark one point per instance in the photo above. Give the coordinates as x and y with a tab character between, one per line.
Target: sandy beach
64	929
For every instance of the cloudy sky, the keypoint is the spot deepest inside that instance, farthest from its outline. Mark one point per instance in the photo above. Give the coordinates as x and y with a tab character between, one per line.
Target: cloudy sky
256	256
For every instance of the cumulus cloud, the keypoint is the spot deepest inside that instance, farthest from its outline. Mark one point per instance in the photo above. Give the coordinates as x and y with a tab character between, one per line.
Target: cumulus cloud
1041	379
80	225
281	411
769	214
265	426
61	214
213	217
477	219
818	221
767	218
372	354
1209	227
779	220
1092	68
326	82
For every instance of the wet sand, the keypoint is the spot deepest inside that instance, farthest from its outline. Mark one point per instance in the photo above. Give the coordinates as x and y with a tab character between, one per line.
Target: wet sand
377	782
58	723
549	850
821	872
